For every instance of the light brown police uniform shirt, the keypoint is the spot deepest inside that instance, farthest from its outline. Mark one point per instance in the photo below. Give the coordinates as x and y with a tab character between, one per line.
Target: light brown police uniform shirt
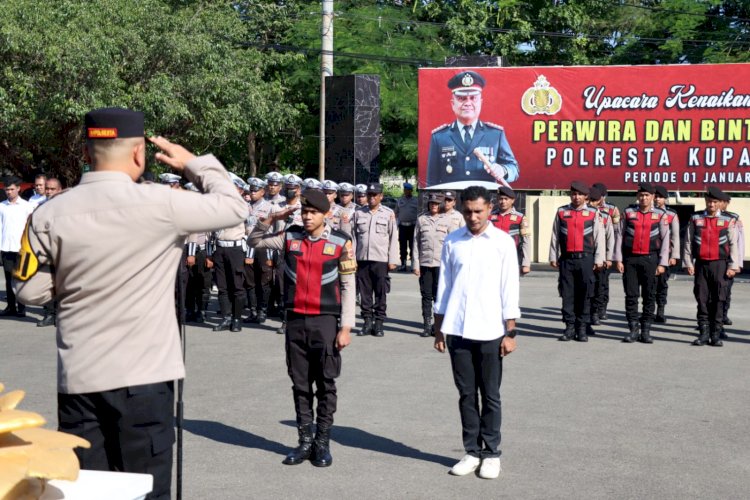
375	235
429	235
108	252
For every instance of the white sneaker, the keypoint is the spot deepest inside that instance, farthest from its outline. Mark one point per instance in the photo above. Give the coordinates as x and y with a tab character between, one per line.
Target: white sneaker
490	468
467	465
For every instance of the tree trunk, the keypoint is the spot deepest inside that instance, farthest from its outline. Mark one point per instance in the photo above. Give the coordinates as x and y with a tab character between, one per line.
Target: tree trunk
251	154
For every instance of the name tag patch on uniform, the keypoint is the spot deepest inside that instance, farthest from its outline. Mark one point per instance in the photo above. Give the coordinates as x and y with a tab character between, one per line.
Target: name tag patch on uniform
566	213
632	215
585	213
699	222
295	245
329	249
654	216
719	222
514	218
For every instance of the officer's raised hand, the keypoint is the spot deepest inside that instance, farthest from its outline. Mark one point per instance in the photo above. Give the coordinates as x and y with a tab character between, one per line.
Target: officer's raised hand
171	154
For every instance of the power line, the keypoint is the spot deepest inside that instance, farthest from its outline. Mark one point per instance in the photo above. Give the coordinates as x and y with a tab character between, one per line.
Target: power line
659	9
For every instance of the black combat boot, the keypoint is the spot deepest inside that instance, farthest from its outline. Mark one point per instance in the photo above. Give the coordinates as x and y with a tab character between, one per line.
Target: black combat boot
427	327
252	317
282	329
646	333
716	336
262	316
47	320
199	317
603	314
590	331
321	452
632	335
569	333
581	332
236	325
595	319
226	324
377	330
304	450
702	335
660	314
366	328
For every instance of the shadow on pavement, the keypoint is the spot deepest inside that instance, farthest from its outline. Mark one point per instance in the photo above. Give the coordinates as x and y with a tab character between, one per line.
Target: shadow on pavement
357	438
223	433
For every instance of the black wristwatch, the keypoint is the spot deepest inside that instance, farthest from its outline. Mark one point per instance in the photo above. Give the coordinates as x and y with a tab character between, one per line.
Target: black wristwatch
511	334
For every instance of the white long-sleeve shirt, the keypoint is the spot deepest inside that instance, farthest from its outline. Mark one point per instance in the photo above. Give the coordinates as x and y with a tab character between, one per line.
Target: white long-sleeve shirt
479	287
12	223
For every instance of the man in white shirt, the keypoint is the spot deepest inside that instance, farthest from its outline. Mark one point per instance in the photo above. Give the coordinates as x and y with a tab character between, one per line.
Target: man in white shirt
475	317
40	186
13	214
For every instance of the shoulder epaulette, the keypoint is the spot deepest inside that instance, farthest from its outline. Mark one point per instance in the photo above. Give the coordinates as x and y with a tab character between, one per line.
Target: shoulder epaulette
733	215
441	127
494	125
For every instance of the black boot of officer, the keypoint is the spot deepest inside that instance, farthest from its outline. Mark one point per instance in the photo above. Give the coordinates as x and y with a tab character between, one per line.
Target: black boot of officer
282	329
377	330
715	336
252	317
427	326
321	452
646	333
633	334
660	318
366	327
262	316
702	335
569	333
305	445
226	324
582	332
239	305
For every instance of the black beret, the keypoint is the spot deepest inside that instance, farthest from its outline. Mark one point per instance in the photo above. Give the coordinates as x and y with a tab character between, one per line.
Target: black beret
506	191
315	198
113	123
375	188
595	194
467	82
579	186
717	194
601	187
646	187
435	198
661	191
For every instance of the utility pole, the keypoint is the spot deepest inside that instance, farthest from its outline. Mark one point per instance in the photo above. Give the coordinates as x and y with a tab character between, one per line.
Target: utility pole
326	69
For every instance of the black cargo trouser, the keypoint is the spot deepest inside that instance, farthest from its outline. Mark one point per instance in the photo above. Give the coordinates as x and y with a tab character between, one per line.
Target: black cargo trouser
428	285
406	239
710	290
258	280
230	279
728	301
639	278
576	287
662	287
130	429
372	278
199	284
313	360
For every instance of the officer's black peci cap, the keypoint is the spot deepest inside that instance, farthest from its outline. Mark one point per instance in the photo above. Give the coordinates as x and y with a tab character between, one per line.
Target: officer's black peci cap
374	188
601	187
595	194
506	191
580	187
646	187
315	198
661	191
113	123
717	194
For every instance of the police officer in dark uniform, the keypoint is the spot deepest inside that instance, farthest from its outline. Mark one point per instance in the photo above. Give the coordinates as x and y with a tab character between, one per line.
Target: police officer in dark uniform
324	258
452	155
738	227
429	234
258	264
711	254
601	276
614	214
641	254
577	248
506	218
407	211
673	223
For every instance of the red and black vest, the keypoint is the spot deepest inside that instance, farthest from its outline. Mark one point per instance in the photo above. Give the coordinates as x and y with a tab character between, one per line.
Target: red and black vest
640	235
710	236
671	214
510	223
576	229
311	271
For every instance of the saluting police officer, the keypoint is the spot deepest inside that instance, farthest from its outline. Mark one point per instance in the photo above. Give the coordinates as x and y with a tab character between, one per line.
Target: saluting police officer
577	249
739	229
673	223
455	218
429	234
601	276
376	243
641	254
228	258
711	254
506	218
118	341
258	265
614	214
314	306
407	210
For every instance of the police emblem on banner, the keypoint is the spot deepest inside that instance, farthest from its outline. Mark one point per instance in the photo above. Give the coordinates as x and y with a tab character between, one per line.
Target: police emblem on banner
541	99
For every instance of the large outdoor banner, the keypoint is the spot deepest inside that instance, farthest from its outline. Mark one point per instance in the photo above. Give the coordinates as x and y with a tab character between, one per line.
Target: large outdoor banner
682	126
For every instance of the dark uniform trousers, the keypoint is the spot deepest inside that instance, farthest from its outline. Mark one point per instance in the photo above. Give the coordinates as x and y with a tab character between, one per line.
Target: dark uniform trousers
576	287
662	287
710	290
428	285
601	291
372	277
477	366
728	301
312	359
199	284
9	264
130	430
258	280
639	278
230	277
406	240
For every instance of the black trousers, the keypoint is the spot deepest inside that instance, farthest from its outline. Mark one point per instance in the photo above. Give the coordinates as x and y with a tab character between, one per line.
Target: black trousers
130	430
710	290
406	239
313	360
10	259
639	278
258	280
428	285
662	287
230	280
576	287
728	301
199	284
372	278
601	292
477	366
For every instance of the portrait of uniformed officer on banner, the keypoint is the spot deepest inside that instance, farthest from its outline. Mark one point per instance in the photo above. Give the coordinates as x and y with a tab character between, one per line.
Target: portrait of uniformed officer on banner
469	149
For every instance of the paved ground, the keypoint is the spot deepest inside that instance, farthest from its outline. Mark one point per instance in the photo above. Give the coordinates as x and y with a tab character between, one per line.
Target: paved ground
596	420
